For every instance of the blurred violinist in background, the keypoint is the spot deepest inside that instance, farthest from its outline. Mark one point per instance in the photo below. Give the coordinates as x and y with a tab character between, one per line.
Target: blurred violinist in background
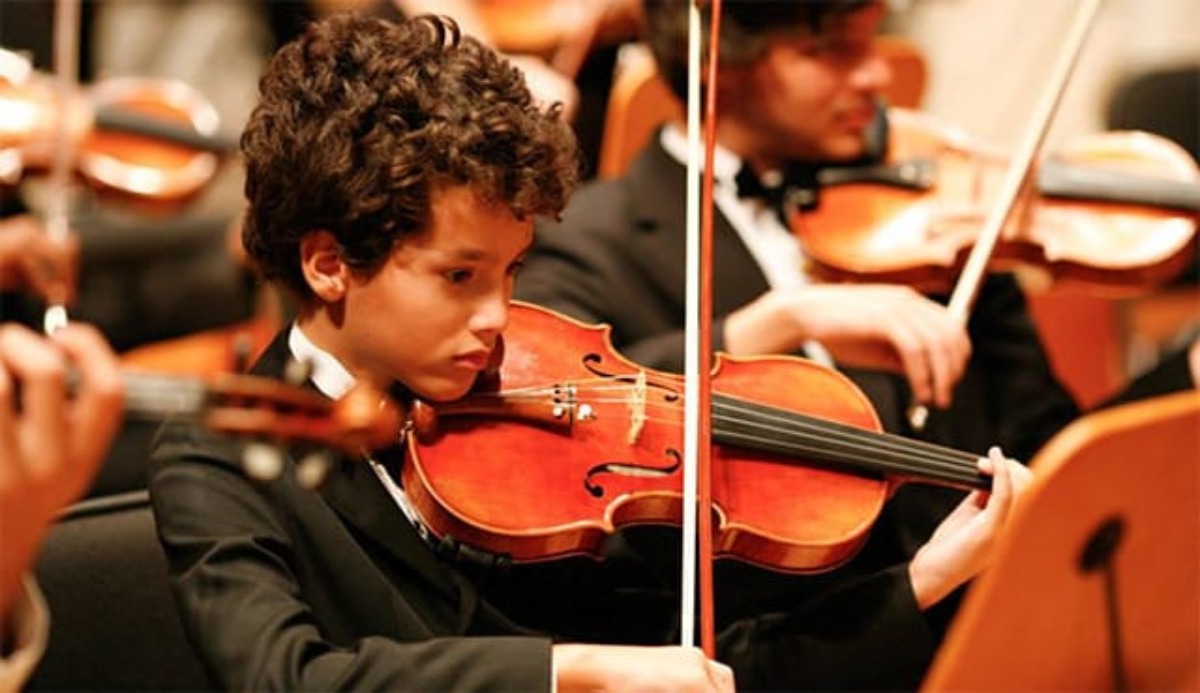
1139	70
798	89
145	258
151	266
799	86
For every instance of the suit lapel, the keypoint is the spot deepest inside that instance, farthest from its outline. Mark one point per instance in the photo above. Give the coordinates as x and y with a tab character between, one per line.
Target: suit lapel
359	498
656	185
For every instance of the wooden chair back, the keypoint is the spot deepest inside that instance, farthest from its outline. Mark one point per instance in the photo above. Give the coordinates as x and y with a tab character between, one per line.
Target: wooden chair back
1056	611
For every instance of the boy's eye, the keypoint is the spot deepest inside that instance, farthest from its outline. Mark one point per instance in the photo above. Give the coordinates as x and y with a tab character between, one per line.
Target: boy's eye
459	276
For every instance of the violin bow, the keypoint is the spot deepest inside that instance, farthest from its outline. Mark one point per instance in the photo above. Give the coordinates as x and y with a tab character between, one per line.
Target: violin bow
966	289
697	520
58	213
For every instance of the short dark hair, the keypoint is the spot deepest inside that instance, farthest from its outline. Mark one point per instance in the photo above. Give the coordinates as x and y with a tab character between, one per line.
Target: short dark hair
747	26
360	119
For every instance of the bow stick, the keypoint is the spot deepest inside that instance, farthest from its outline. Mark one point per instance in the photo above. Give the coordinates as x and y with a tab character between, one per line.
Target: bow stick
697	467
966	289
66	70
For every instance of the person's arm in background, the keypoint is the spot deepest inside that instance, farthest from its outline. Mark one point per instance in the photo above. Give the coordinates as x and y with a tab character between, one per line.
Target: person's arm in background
51	443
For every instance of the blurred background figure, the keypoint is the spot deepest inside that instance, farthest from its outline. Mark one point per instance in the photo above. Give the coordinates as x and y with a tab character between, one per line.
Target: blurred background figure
1139	70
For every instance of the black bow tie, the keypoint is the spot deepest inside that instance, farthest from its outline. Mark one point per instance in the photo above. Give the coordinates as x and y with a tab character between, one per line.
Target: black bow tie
795	187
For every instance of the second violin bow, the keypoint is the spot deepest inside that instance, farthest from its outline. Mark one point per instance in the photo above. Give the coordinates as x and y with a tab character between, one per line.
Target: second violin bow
66	69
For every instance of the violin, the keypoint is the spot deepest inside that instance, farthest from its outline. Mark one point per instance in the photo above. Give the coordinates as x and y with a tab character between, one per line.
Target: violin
141	140
561	446
1113	212
265	411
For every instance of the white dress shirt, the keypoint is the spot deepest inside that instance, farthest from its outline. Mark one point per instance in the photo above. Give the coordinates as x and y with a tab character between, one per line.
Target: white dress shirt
772	245
334	381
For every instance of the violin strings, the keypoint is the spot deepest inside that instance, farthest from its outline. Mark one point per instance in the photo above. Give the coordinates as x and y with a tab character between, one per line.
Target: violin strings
791	419
788	422
866	456
844	443
770	428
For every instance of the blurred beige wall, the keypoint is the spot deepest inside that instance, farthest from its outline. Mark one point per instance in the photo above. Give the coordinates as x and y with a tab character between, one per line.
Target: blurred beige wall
989	59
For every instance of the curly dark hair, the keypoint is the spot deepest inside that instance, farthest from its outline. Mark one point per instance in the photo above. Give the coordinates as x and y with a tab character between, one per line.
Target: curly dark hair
360	119
747	26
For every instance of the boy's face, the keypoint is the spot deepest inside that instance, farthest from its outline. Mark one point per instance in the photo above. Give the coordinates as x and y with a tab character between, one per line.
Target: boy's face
433	313
813	97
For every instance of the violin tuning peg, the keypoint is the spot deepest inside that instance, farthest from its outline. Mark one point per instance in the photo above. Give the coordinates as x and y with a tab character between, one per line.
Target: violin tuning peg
313	470
262	461
296	373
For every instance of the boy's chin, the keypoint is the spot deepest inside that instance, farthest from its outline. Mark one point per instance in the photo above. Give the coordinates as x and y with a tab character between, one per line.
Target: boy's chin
443	391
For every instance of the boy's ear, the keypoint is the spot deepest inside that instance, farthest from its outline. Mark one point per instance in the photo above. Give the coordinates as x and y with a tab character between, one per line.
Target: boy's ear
324	269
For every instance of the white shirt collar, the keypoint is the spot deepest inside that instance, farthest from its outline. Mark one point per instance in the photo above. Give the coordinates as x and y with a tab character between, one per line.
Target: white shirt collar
769	242
328	374
726	164
333	380
772	246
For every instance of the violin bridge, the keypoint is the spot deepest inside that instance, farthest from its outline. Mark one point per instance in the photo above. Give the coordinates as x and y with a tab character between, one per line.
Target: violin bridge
637	408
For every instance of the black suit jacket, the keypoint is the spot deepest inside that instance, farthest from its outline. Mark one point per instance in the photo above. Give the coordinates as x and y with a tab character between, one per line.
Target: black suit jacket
285	589
617	257
280	588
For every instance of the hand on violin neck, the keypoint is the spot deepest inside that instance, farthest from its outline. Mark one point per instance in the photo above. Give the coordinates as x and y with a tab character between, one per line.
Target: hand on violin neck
55	436
965	541
883	327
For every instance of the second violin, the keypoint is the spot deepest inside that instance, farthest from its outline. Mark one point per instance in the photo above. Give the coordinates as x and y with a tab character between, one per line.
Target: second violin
1115	211
147	140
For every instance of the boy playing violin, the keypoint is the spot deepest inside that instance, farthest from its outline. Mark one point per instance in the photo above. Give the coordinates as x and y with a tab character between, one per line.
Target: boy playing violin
393	175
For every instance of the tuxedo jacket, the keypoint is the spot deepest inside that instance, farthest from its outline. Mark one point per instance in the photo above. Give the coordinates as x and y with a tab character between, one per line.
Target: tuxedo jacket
281	588
617	257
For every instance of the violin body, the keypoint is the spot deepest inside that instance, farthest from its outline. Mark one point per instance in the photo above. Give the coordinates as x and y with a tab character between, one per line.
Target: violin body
599	446
139	164
149	141
1114	212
